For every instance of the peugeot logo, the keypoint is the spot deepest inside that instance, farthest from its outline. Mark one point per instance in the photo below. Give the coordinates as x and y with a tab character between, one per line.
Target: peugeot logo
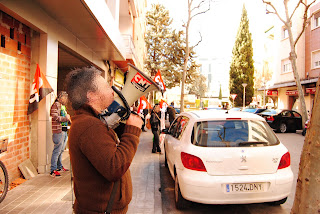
243	158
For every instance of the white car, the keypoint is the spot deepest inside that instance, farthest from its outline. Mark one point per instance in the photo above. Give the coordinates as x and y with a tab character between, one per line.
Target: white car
226	157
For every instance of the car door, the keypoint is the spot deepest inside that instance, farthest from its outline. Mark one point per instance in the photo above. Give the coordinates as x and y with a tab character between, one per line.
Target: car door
173	140
297	120
286	117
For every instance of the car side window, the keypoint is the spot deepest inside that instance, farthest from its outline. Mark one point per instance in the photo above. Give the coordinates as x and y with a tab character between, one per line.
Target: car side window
173	127
295	114
286	114
181	127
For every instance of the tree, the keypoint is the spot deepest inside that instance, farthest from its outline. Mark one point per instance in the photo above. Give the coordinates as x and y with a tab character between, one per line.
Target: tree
199	86
175	55
242	68
220	93
193	11
166	48
308	183
156	37
287	21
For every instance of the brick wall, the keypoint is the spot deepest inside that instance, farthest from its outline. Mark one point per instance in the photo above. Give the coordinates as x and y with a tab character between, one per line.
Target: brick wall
15	54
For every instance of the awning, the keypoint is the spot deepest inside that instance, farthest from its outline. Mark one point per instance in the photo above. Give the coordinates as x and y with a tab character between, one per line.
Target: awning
289	84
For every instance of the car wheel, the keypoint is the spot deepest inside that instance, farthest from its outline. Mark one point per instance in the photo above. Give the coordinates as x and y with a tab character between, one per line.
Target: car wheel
304	132
283	127
276	203
180	202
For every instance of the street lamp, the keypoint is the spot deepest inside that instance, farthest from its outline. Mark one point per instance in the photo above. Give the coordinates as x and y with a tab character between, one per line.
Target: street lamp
244	94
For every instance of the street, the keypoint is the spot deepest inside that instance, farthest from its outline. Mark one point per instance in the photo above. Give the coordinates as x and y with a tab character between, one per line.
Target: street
294	143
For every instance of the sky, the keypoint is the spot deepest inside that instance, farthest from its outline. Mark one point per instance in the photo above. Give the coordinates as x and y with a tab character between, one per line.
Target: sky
219	26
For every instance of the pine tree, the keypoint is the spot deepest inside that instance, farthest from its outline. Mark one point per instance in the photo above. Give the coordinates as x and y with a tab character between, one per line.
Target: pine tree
242	68
166	49
157	33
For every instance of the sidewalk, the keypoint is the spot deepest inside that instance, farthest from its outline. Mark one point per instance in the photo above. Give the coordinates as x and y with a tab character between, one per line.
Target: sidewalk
44	194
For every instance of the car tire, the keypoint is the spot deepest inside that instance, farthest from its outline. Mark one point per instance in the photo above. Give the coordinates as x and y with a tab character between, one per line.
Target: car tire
180	202
283	128
304	132
276	203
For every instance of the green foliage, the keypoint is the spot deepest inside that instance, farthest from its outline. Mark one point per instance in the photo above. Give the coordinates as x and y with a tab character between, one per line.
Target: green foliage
220	93
242	68
166	49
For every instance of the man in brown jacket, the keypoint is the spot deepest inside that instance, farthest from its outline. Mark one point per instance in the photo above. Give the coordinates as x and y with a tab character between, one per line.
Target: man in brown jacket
99	157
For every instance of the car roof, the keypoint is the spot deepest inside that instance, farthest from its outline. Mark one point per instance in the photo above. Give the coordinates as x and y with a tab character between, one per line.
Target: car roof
203	114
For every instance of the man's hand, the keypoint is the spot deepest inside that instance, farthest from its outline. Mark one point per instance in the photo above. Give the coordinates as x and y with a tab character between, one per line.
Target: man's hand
134	120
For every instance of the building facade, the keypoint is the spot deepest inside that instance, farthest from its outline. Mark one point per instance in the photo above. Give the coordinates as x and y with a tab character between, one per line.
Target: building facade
284	89
58	36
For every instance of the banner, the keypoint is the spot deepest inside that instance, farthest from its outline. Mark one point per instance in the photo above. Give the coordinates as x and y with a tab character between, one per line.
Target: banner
40	88
144	104
163	104
158	79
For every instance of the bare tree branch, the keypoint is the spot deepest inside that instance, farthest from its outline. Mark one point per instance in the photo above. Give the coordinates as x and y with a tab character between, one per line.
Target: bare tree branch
198	41
298	4
201	11
275	10
305	21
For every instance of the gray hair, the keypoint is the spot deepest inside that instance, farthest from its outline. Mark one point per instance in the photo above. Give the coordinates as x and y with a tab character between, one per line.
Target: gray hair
78	83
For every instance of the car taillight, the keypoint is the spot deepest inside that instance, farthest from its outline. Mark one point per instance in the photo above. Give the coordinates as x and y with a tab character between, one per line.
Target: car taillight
285	161
192	162
270	118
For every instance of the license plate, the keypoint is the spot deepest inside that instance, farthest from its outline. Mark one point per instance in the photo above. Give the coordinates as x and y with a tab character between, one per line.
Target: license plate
248	187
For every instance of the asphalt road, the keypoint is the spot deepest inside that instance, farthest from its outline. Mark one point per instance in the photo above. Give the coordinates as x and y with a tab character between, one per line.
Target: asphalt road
294	143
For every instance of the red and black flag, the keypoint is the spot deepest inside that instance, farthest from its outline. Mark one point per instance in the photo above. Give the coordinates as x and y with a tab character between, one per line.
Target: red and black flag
40	88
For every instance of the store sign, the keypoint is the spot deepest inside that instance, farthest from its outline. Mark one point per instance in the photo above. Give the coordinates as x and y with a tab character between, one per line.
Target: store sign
311	90
271	93
295	92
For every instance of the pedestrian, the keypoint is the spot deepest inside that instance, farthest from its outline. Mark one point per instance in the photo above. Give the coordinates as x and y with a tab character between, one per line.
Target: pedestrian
143	116
100	157
155	123
172	113
60	119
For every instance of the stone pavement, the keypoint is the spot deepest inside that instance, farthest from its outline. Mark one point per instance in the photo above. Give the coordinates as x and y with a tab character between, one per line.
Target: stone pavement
44	194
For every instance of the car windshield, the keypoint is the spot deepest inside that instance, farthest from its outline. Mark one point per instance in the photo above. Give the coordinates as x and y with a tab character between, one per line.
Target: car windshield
233	133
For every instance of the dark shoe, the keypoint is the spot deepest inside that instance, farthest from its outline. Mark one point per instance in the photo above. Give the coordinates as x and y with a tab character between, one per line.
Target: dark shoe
153	151
63	169
144	130
54	174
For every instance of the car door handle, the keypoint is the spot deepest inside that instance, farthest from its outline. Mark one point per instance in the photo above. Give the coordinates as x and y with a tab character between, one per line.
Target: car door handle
243	168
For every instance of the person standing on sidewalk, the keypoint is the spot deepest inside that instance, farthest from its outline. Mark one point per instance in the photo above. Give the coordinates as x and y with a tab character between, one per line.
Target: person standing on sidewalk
100	157
60	119
155	123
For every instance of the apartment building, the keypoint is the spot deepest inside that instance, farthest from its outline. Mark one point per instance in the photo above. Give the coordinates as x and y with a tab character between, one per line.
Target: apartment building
58	36
284	88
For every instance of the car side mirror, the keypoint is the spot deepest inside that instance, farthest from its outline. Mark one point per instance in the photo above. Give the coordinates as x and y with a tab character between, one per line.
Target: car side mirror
165	131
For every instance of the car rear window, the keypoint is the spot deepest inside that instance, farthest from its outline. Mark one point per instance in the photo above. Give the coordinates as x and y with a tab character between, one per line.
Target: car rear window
233	133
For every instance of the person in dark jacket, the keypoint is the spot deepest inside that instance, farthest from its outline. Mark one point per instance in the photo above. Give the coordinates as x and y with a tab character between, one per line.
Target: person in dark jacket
100	158
172	113
155	124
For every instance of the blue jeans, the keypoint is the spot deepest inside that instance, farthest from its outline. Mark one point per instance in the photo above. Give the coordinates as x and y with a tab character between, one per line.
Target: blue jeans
60	141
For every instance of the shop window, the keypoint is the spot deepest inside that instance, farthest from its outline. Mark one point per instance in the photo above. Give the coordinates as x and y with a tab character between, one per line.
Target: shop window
19	46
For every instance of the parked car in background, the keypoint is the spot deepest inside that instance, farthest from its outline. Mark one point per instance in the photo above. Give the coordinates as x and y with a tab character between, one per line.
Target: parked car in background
235	109
254	110
283	120
226	157
213	108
